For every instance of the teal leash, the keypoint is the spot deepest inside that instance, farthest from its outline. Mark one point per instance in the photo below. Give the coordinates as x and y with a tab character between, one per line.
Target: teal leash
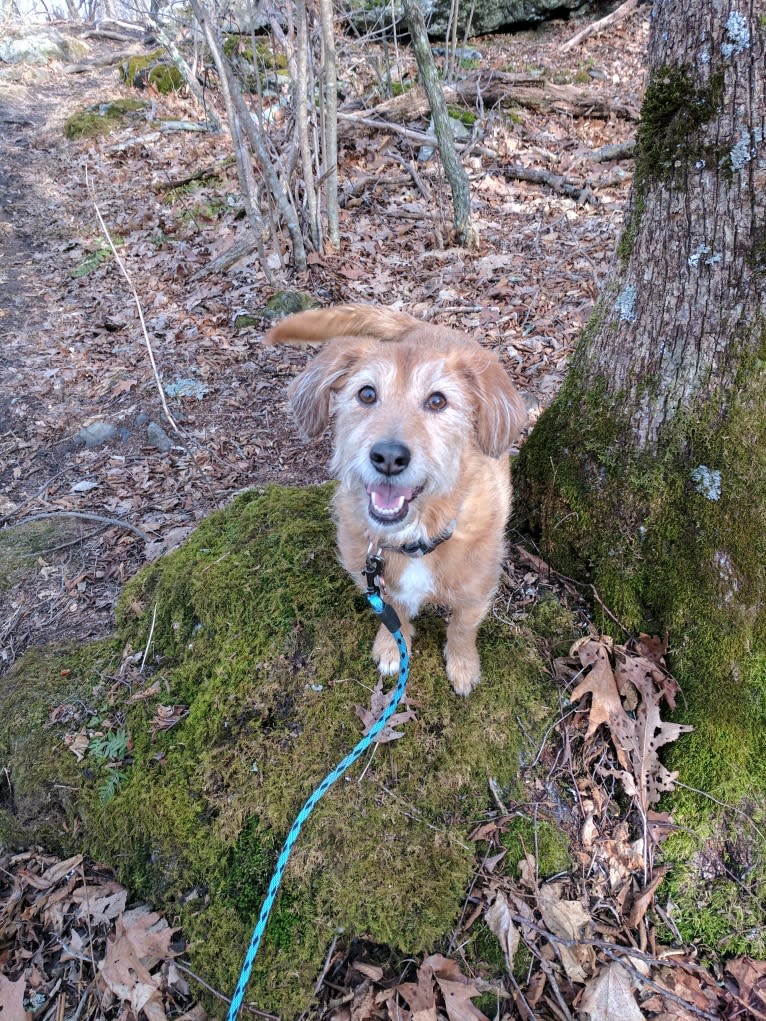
373	572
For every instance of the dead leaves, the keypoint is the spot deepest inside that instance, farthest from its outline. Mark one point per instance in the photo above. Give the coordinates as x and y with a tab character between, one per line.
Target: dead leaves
67	941
378	703
438	991
611	995
626	690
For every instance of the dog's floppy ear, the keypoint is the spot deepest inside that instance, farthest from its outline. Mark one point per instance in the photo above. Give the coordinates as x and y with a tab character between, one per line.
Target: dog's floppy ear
500	411
310	392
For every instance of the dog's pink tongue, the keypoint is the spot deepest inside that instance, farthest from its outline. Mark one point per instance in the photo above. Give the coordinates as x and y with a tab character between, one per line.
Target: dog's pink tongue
388	497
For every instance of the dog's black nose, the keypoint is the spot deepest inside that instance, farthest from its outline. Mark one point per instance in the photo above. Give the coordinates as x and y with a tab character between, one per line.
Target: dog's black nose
390	458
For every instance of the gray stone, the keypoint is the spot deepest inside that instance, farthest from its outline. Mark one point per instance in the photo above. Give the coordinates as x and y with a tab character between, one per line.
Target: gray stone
96	433
39	44
488	15
158	438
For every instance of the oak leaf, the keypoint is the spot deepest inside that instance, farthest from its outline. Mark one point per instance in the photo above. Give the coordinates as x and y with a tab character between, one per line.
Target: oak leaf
568	920
378	702
609	996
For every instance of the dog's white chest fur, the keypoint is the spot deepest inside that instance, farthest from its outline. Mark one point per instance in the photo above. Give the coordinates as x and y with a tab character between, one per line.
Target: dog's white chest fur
415	585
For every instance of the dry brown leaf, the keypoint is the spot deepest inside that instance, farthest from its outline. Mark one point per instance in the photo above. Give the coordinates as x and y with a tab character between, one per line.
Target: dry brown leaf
456	989
750	977
600	684
609	996
650	732
77	743
12	1000
371	971
499	921
645	897
378	702
637	737
568	920
124	974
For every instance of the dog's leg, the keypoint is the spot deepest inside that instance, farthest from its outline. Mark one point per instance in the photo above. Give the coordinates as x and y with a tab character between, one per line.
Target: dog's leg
460	652
385	651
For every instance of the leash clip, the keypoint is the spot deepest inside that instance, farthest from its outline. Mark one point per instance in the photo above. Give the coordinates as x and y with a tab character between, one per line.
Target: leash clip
373	572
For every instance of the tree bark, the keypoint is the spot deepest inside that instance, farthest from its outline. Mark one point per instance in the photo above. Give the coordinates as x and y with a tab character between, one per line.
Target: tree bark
330	122
647	476
302	118
453	168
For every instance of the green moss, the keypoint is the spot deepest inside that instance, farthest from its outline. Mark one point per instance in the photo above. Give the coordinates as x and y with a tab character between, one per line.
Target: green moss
465	116
101	118
666	551
545	840
239	48
674	109
554	625
101	254
280	304
398	88
39	796
154	69
263	637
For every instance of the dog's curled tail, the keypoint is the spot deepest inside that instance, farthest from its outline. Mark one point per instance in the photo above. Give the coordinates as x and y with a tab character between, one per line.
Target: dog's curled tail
342	321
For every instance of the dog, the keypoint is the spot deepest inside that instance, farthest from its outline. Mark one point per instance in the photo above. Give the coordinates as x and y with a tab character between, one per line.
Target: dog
423	420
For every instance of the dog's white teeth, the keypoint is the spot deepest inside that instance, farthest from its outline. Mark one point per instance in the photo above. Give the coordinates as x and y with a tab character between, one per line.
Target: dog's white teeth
389	510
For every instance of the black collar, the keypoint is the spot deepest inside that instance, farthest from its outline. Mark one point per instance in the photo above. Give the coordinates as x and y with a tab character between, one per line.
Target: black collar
424	546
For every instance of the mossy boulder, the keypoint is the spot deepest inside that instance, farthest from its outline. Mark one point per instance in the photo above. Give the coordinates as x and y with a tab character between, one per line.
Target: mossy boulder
155	69
259	645
101	118
280	304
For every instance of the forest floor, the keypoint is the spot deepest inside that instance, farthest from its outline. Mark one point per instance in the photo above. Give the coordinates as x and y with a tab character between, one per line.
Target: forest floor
95	481
73	356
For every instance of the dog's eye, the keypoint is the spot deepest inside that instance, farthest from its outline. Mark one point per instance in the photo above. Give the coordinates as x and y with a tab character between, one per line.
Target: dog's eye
367	395
436	402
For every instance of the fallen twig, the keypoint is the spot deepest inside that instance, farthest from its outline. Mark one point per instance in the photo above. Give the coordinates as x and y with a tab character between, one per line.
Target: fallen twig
87	517
126	275
623	11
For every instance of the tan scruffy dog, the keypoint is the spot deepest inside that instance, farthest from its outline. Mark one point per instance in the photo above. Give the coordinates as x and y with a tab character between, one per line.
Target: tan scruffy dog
424	417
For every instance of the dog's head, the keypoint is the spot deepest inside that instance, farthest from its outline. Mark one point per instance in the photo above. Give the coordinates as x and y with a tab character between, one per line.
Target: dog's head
408	411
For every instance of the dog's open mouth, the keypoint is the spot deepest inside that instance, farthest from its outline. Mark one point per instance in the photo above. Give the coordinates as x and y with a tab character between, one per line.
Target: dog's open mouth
389	504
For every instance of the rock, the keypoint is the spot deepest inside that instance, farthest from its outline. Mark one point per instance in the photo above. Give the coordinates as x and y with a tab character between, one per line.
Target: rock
157	437
39	44
101	118
280	304
488	15
96	433
460	132
187	388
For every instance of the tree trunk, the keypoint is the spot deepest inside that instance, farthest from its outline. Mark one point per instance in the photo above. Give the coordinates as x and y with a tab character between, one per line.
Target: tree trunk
301	86
647	476
453	168
330	122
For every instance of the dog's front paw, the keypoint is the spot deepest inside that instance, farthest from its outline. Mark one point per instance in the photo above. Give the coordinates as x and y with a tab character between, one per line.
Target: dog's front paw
463	670
385	652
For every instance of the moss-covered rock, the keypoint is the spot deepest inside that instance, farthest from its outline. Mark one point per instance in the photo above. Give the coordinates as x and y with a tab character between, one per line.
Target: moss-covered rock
256	630
280	304
101	118
155	69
